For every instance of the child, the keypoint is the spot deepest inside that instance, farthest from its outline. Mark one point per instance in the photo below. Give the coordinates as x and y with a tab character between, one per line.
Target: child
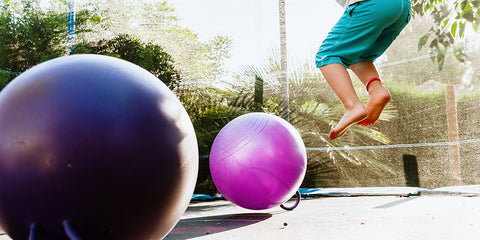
363	33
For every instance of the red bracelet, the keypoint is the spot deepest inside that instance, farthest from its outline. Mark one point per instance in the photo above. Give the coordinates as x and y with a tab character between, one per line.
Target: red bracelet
371	80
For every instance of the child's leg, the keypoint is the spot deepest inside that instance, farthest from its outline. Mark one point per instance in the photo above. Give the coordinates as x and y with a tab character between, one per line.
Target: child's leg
339	80
361	34
378	95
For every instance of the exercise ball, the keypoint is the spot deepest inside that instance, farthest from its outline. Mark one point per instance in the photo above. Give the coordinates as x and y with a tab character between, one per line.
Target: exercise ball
258	161
93	147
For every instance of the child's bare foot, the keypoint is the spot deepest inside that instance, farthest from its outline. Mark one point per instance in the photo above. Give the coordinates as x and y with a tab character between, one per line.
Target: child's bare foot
351	116
379	98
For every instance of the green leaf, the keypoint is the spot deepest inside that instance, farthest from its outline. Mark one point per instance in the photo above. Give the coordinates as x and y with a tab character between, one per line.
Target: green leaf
423	40
461	31
469	16
434	44
476	25
441	53
444	24
453	29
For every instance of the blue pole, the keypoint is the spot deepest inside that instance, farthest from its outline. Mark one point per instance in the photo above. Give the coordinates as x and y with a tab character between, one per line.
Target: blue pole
71	27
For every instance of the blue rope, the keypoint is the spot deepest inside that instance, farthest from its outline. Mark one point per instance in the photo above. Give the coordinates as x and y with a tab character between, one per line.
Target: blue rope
10	72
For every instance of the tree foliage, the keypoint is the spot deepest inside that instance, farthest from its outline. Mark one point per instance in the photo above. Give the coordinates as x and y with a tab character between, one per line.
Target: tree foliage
158	23
149	56
451	19
30	35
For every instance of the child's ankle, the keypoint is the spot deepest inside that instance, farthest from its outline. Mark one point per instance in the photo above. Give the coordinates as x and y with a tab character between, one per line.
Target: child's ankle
374	86
373	82
352	105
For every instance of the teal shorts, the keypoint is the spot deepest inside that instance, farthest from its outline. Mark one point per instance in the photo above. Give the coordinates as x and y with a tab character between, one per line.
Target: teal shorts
364	32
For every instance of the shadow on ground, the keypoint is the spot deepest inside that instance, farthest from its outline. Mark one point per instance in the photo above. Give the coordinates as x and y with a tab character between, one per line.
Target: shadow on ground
196	227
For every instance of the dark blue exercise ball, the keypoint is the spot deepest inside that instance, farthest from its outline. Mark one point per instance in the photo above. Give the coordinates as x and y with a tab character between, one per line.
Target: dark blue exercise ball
93	147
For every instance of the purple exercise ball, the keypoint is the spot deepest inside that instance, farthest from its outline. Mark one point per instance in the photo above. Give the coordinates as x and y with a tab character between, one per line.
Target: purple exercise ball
258	161
94	147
